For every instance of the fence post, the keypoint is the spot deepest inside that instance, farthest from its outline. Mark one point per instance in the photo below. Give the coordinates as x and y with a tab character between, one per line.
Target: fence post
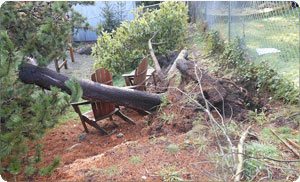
229	21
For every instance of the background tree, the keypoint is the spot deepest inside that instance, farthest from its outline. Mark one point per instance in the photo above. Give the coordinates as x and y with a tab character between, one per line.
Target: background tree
120	7
40	30
112	14
109	15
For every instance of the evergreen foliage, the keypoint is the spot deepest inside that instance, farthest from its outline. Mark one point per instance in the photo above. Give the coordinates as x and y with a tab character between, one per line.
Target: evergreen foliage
120	50
113	14
49	169
75	88
109	15
29	29
120	6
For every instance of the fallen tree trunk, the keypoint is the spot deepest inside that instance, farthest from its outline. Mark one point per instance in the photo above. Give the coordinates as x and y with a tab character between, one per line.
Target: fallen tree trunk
45	78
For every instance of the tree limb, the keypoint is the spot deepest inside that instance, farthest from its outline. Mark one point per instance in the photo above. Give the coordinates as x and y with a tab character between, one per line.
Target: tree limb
287	145
156	64
182	55
239	169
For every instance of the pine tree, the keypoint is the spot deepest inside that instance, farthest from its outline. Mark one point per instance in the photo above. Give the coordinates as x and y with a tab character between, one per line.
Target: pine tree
40	30
113	15
110	19
120	6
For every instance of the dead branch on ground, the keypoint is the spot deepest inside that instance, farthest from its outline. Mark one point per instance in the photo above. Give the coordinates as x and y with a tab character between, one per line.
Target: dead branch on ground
293	144
287	145
239	169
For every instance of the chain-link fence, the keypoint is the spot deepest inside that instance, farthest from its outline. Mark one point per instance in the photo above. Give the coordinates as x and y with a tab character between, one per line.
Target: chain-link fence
270	29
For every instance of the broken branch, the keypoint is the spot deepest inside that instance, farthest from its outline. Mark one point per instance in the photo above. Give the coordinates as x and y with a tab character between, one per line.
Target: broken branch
155	61
293	143
239	169
286	144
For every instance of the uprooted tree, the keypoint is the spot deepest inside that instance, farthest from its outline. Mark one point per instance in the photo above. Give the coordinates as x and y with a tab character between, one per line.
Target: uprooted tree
183	69
46	79
41	30
26	111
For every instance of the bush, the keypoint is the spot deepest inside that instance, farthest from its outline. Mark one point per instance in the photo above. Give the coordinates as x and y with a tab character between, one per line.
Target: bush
120	50
214	44
265	78
234	53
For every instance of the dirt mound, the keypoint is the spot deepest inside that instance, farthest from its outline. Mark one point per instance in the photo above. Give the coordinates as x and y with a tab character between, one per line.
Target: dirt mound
177	116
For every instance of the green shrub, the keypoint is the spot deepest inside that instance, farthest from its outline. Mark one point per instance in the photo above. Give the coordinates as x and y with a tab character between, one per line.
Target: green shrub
234	53
120	50
265	78
214	43
171	174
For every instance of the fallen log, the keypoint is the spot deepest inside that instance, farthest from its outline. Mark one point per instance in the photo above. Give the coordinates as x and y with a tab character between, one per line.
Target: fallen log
45	78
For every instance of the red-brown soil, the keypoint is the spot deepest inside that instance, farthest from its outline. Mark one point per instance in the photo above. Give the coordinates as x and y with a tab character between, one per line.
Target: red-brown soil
104	158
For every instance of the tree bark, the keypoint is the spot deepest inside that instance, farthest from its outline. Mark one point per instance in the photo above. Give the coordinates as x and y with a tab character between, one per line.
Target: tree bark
173	75
189	70
173	70
45	78
155	61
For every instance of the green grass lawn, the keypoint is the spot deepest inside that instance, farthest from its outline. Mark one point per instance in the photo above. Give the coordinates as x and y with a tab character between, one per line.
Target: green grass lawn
280	31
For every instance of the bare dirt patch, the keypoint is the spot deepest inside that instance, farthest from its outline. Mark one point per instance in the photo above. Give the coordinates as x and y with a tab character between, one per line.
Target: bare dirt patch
133	157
